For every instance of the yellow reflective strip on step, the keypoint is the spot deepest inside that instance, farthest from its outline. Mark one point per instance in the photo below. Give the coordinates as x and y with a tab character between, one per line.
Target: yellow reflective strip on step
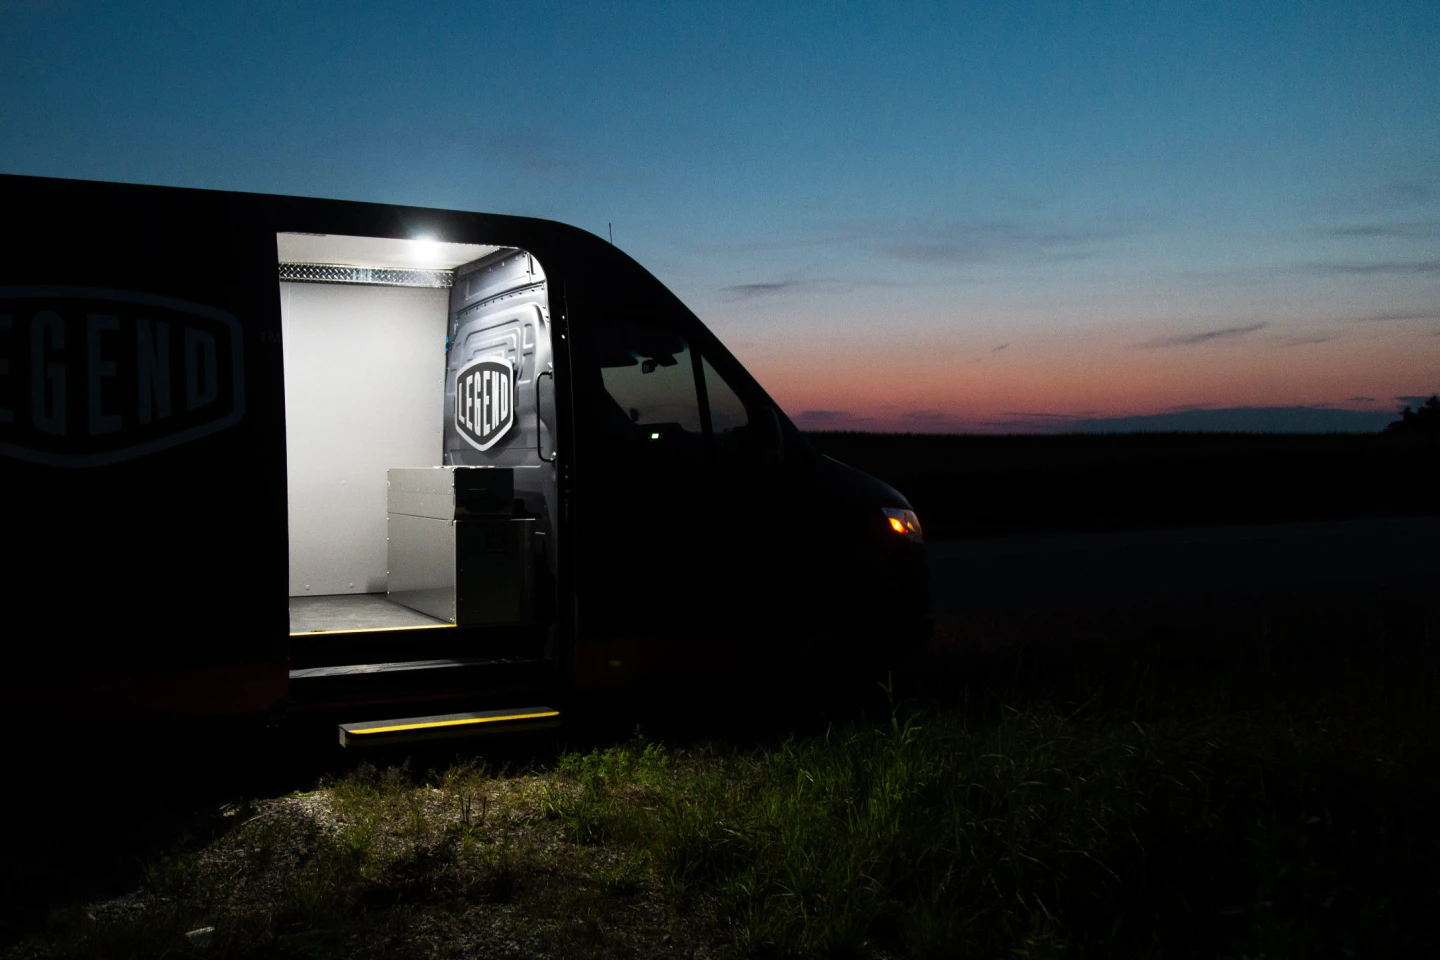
454	723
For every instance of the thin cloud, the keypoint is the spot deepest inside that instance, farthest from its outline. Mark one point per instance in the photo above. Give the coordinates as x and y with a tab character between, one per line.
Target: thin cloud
1410	230
1361	400
1390	317
1033	423
993	242
748	291
1404	190
1410	191
822	236
928	416
943	241
999	348
1243	420
531	153
1384	267
771	288
1196	339
823	416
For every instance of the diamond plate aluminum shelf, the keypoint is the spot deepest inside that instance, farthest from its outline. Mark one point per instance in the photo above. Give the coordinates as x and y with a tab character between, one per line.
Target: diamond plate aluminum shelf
374	276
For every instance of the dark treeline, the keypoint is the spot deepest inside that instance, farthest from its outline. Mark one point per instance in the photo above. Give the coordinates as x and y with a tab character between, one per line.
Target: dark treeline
1424	420
978	485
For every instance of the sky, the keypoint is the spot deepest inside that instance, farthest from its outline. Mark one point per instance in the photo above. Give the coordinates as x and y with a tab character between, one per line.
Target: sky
1017	217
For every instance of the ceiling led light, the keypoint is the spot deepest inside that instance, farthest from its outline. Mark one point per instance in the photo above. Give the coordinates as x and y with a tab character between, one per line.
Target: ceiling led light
426	250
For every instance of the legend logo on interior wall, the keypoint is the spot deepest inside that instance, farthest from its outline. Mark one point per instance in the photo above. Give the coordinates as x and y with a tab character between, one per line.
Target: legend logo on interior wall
485	402
90	377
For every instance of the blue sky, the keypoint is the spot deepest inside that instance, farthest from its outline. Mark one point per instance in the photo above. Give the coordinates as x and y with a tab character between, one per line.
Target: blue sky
943	217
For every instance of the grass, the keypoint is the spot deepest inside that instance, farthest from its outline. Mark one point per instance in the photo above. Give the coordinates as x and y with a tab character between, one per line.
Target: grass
1043	834
1249	788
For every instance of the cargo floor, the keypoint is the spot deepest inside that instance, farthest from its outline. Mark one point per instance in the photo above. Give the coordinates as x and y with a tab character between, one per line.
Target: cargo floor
352	612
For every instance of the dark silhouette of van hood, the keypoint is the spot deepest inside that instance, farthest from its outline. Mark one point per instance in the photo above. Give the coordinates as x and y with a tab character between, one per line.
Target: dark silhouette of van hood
856	487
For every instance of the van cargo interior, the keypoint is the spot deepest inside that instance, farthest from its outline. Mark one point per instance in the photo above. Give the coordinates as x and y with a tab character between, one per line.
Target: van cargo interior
366	327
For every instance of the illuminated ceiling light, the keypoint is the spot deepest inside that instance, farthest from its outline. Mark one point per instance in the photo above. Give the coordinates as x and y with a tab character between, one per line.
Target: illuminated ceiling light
426	250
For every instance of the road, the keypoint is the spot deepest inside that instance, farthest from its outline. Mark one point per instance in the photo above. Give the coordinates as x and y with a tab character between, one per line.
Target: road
1083	571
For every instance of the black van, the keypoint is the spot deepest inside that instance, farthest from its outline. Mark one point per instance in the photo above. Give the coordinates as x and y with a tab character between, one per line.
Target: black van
418	470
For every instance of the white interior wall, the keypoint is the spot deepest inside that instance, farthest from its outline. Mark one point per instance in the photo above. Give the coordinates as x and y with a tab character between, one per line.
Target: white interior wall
364	392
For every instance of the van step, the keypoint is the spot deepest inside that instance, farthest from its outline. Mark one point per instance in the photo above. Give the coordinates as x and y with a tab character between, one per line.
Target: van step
372	733
384	646
405	666
344	687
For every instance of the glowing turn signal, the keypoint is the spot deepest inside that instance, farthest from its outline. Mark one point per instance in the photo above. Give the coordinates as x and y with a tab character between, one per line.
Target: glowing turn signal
905	523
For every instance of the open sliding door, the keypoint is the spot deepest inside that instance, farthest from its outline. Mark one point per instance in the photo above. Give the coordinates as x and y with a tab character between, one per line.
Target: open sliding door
500	395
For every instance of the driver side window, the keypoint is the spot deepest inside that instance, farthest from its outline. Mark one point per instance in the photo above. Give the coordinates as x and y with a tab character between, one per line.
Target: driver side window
665	398
649	380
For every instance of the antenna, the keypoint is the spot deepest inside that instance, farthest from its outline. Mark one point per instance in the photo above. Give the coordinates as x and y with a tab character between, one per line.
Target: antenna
612	233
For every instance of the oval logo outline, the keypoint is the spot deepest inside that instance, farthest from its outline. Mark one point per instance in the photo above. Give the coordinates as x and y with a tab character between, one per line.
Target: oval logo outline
154	444
485	405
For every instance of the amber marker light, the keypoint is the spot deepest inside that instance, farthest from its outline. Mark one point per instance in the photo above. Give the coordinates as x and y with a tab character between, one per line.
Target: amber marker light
905	523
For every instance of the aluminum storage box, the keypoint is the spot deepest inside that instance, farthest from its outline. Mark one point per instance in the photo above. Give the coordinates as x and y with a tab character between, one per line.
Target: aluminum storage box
456	548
